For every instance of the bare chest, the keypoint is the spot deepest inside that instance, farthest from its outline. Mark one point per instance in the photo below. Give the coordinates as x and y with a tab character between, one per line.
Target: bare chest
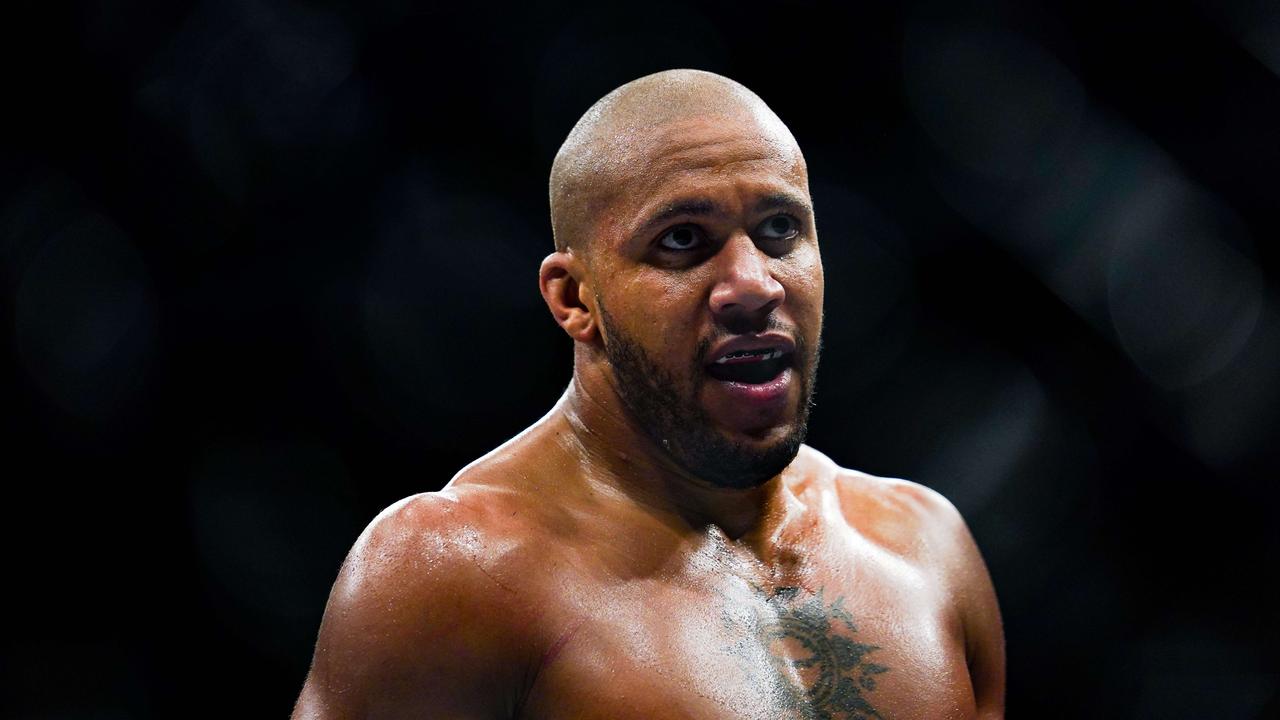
877	642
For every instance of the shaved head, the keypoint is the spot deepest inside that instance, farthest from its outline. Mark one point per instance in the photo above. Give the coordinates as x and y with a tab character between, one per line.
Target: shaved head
682	218
614	134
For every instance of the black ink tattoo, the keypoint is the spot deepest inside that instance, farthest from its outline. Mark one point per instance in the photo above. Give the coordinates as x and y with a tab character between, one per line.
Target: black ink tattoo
826	674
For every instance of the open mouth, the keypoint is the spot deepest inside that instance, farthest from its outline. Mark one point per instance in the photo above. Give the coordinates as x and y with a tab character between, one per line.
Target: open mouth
750	367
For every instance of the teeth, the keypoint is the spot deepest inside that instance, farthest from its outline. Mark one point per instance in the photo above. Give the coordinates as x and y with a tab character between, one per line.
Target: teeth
770	355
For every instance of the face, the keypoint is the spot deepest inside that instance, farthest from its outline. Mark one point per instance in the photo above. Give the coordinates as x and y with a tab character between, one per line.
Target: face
709	284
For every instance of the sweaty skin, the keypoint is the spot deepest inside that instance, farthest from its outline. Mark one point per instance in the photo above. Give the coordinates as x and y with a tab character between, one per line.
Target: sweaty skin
627	557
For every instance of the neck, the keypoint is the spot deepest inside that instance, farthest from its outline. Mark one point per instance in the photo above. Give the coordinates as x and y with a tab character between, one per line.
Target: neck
619	457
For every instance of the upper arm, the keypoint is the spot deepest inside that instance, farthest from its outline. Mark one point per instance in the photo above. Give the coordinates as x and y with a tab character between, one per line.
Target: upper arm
408	627
975	599
922	524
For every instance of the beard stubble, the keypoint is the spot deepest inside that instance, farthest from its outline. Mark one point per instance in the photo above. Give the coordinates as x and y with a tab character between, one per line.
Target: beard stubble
675	421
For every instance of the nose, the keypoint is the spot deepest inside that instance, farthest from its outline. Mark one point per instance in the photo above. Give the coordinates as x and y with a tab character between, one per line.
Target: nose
745	286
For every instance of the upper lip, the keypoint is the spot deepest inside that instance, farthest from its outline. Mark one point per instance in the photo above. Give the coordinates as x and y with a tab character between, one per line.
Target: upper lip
765	341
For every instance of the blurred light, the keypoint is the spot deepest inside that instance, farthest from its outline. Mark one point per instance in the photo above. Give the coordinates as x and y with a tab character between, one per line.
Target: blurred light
76	679
1235	414
1183	302
870	289
1191	670
85	320
272	523
1061	603
603	46
450	274
240	76
1107	221
1024	157
997	104
988	439
275	70
38	209
1256	26
1058	229
978	427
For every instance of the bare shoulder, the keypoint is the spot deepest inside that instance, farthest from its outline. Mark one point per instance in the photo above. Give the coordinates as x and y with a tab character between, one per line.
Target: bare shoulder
425	544
924	528
423	614
900	515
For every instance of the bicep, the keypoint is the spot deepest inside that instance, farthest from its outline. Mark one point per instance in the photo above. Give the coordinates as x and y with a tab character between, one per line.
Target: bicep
983	628
965	587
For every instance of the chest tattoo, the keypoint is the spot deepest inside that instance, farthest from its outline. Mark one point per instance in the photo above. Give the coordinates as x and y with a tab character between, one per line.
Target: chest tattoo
806	646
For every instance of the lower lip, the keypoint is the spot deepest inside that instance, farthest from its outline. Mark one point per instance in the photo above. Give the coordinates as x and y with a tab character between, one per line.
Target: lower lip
761	394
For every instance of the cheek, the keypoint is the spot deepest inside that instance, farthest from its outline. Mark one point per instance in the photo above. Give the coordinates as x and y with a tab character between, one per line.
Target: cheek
659	311
803	280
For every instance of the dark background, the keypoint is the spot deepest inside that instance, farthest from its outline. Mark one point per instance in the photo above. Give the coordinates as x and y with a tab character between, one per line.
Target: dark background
270	266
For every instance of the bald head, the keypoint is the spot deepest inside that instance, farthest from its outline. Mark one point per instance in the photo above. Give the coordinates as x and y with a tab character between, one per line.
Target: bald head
613	134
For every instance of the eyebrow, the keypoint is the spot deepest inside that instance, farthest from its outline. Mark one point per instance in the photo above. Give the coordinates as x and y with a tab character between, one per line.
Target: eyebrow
783	201
681	208
699	207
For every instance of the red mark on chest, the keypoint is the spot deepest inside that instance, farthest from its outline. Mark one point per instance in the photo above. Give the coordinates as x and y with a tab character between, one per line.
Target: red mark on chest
554	651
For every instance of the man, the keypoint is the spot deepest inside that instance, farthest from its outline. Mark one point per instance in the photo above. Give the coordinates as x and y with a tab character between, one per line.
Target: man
662	544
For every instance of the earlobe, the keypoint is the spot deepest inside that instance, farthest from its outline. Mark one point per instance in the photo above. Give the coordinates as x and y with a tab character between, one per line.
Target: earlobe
567	296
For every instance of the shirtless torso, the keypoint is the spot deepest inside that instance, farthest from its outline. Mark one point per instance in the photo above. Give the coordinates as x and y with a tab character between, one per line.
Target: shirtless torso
529	589
662	544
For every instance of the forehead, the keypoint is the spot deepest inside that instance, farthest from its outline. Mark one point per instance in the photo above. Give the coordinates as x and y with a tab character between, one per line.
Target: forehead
711	145
729	160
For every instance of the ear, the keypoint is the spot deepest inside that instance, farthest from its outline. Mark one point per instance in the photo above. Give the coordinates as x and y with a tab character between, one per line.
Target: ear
562	280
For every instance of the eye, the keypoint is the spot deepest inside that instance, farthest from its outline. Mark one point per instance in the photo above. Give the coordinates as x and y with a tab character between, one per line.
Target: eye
681	238
779	227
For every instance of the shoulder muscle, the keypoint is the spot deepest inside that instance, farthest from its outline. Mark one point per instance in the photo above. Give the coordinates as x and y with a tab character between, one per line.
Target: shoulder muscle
918	522
415	620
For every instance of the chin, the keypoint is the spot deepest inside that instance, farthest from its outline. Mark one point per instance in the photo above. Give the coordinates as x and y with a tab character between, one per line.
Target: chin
672	412
764	436
737	463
